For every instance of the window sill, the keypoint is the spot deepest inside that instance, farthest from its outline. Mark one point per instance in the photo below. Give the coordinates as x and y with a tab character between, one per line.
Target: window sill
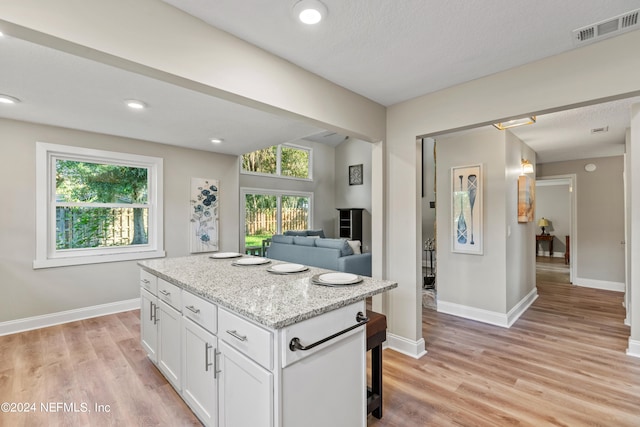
95	259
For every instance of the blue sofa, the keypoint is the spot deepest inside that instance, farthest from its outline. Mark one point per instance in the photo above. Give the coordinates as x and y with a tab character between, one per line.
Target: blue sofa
332	254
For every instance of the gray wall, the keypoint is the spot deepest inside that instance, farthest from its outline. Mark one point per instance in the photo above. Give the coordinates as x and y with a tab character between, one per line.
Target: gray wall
600	216
553	202
428	189
27	292
500	278
322	186
354	152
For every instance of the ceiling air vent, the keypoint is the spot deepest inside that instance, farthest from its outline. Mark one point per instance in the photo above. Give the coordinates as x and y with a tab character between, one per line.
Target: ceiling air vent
600	130
607	28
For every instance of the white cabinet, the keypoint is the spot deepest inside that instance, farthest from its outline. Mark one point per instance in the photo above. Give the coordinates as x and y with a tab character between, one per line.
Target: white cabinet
245	390
199	371
169	354
234	372
148	320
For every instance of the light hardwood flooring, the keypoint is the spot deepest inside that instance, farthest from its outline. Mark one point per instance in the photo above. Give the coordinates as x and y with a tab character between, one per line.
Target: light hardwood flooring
562	363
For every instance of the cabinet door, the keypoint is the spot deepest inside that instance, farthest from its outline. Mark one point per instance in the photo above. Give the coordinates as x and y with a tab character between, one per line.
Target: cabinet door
148	328
199	387
246	390
169	353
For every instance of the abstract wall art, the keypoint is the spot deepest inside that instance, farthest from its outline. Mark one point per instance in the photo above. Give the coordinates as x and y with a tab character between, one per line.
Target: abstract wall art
526	198
203	234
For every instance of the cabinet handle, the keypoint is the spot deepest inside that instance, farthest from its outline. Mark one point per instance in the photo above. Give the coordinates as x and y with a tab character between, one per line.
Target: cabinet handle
294	344
207	347
165	293
216	371
155	314
193	309
151	311
236	335
145	281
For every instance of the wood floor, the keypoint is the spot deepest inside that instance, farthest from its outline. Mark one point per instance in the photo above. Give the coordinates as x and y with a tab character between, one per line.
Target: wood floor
97	367
562	363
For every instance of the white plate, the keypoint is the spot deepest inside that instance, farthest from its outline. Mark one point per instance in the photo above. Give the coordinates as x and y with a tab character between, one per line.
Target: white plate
339	278
223	255
251	261
288	268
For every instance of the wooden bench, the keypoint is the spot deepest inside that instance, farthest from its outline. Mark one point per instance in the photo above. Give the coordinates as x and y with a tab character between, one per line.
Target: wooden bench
376	335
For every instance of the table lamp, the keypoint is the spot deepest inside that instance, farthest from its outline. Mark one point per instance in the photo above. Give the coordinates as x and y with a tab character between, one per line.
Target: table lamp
542	223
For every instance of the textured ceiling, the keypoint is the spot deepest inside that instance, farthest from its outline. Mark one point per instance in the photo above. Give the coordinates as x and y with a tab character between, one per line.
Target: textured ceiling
386	50
394	50
78	93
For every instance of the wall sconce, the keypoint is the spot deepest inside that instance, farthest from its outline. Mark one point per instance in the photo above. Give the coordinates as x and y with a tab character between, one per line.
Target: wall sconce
515	122
527	167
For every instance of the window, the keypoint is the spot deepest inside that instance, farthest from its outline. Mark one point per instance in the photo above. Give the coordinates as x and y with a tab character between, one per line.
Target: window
269	212
285	160
96	206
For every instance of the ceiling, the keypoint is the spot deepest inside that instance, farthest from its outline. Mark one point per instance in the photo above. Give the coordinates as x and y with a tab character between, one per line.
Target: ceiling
388	51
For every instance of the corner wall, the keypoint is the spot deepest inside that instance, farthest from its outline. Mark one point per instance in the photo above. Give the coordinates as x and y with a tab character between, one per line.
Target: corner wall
354	152
27	292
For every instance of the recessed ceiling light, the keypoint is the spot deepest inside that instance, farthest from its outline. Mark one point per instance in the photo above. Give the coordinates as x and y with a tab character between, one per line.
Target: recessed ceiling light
309	11
135	104
216	140
6	99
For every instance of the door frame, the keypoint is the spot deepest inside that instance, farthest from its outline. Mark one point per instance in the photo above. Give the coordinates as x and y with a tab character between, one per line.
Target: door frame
571	180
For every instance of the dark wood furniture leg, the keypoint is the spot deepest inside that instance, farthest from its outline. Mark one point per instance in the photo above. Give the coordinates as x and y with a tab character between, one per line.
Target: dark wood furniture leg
376	335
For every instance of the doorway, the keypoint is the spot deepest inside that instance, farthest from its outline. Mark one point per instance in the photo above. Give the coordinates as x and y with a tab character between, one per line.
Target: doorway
555	206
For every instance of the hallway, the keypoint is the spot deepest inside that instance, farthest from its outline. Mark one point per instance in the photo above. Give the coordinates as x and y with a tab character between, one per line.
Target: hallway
562	363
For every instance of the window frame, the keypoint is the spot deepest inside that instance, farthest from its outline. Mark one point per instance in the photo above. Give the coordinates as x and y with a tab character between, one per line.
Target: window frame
47	255
278	173
268	192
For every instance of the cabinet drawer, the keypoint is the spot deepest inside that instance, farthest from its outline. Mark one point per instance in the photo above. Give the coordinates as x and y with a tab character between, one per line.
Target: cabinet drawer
200	311
170	294
149	282
250	339
320	327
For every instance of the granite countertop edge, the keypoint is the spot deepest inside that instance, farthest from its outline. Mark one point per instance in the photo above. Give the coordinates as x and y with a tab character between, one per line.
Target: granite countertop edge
282	322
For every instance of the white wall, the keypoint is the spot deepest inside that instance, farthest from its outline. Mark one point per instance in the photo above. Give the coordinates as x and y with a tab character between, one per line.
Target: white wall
354	152
322	186
553	202
27	292
599	254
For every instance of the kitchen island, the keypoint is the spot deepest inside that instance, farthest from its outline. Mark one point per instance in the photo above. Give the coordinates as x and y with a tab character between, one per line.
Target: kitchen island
245	346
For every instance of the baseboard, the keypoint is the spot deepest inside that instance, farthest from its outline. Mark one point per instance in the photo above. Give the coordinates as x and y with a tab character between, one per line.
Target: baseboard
473	313
634	348
599	284
405	346
522	306
37	322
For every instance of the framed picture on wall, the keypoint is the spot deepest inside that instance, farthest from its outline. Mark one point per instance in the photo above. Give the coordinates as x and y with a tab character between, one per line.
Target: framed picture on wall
466	209
355	175
526	198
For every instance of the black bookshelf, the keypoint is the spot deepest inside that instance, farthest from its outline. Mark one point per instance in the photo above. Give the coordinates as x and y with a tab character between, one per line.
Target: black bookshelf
350	223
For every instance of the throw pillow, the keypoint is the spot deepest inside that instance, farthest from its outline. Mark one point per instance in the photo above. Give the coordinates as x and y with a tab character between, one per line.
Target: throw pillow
304	241
340	244
295	233
279	238
355	246
319	233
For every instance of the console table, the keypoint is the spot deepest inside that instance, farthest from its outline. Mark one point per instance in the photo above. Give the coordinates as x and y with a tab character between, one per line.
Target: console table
545	238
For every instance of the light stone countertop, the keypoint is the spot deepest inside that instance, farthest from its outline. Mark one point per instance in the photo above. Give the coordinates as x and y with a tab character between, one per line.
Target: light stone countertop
273	300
